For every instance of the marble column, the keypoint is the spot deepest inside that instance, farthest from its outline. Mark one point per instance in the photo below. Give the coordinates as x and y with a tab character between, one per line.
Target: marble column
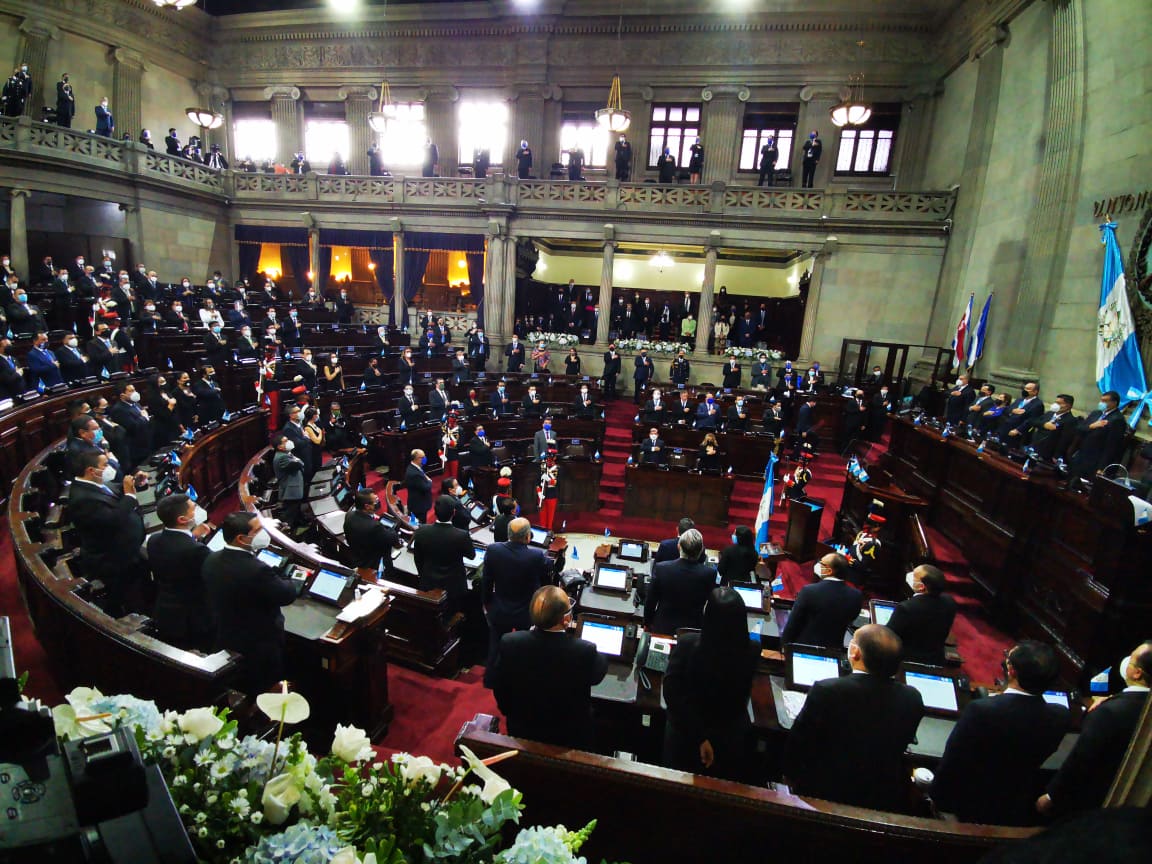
607	266
723	114
440	118
812	308
215	99
707	298
398	278
313	261
494	292
33	50
548	150
359	102
18	233
508	288
287	119
127	72
639	103
814	107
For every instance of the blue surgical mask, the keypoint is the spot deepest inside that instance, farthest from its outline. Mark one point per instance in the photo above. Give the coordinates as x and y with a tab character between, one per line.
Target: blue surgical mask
1101	407
480	434
547	427
99	438
710	400
423	460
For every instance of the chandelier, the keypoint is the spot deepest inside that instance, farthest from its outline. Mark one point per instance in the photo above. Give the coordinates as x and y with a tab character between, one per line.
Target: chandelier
384	112
205	118
612	116
173	4
853	110
661	260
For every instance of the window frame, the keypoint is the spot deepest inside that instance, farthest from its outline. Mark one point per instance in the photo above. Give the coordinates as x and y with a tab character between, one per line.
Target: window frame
584	117
689	131
885	119
768	118
378	138
496	154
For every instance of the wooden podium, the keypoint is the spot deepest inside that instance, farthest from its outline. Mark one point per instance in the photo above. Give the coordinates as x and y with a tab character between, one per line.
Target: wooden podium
803	527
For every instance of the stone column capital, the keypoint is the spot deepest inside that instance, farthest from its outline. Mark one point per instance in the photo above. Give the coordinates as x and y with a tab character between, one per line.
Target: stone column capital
282	91
552	91
128	57
819	92
440	94
357	91
37	27
20	193
725	91
994	36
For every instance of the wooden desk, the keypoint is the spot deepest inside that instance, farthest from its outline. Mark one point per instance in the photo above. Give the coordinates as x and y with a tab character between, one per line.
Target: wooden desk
653	493
748	454
213	463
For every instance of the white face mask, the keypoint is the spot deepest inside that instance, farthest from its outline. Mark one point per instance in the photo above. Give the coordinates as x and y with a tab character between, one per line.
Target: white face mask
1054	407
260	541
289	446
72	343
818	569
1124	667
910	578
109	474
135	397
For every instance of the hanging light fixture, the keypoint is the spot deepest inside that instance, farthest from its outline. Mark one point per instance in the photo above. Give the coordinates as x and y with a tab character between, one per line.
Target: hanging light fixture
384	112
613	117
852	111
661	260
205	118
174	4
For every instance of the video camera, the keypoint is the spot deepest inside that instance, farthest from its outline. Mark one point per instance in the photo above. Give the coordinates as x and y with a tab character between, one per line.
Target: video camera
92	800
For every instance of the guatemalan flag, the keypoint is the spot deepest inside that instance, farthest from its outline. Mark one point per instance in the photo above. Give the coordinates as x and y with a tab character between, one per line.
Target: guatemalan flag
1118	363
959	341
765	511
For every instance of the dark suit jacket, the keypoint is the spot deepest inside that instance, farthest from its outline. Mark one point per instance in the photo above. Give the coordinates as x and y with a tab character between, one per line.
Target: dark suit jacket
481	453
923	623
736	423
512	573
72	363
989	769
732	375
652	452
821	614
705	420
109	525
438	404
136	427
369	541
1087	774
611	365
181	614
440	550
643	371
1053	444
737	562
499	406
245	595
515	357
848	742
42	366
407	408
11	381
956	408
1099	447
676	595
668	550
805	419
542	682
1020	422
210	402
419	488
653	415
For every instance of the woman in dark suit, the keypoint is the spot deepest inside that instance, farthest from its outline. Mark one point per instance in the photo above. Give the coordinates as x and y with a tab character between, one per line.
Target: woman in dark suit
407	368
572	363
739	559
708	455
707	687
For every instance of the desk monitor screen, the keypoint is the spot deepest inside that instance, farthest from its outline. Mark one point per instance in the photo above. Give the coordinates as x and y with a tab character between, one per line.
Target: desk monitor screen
328	586
539	536
1058	697
477	512
751	596
633	550
937	691
387	521
608	638
272	559
806	665
216	542
612	578
881	610
343	496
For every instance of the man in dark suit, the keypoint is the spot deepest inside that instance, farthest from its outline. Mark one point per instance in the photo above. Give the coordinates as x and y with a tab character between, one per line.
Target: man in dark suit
501	401
478	349
990	765
439	551
1102	437
683	410
737	420
438	401
480	450
847	743
209	399
533	406
960	397
1016	420
732	374
1052	431
652	450
345	308
11	378
245	596
611	370
512	573
654	410
708	413
175	317
669	550
641	375
679	589
543	678
515	354
42	363
305	370
822	611
855	425
406	406
87	437
419	487
127	413
103	355
985	400
293	430
369	540
544	441
1087	774
878	410
109	526
924	620
176	557
583	407
805	430
289	470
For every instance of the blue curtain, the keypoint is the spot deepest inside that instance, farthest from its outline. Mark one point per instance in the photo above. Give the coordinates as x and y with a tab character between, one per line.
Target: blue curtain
261	234
476	280
415	263
324	268
385	281
297	257
249	254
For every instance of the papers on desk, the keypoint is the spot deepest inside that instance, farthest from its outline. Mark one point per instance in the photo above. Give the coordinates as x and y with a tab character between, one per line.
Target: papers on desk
362	606
793	702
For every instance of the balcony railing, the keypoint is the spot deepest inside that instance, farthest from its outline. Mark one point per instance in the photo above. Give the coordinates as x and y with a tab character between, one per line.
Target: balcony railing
31	141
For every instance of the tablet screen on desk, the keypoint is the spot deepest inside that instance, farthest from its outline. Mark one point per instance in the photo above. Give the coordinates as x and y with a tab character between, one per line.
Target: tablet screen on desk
1058	697
751	596
881	611
608	638
270	558
612	578
477	512
328	586
631	550
216	541
807	669
539	536
937	691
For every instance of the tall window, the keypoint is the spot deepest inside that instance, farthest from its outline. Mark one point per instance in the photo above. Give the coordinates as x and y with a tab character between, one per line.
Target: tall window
762	122
325	133
676	127
867	150
483	126
402	143
255	138
578	128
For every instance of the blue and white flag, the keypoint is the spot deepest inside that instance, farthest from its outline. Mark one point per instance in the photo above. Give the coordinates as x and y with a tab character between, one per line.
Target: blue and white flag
1119	366
976	343
191	493
765	511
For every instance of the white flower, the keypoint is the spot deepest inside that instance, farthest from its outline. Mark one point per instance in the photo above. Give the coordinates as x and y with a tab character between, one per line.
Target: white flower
211	799
284	707
418	768
227	742
281	793
180	780
351	744
66	719
494	784
201	817
257	817
241	806
202	832
199	723
220	844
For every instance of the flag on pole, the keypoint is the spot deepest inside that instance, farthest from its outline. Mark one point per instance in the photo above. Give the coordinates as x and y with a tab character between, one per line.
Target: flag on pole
1119	366
976	344
765	511
959	341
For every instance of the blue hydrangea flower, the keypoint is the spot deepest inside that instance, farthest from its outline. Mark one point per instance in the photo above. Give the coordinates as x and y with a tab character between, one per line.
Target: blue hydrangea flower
300	844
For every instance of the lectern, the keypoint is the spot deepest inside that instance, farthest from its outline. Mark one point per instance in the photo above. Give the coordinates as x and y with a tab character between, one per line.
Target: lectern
803	527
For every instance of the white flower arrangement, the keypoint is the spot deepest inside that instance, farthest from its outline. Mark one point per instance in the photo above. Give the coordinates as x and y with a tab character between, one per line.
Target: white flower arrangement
754	353
243	799
559	340
653	347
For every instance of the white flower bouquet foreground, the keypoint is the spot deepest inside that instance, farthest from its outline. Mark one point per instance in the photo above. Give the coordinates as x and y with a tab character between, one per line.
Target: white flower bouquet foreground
257	801
564	340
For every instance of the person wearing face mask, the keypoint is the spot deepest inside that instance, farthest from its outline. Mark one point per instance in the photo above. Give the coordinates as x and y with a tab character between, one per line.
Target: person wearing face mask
245	596
762	373
209	399
345	308
1101	437
185	401
805	429
773	420
533	406
480	450
992	760
162	409
290	332
174	317
879	408
823	610
925	619
109	528
87	437
305	371
1015	422
289	470
216	348
515	354
370	541
708	413
543	441
23	317
294	431
461	371
1051	433
209	314
65	102
246	347
478	349
611	370
406	406
439	551
1087	774
584	408
372	375
541	357
855	424
11	376
6	271
42	363
149	320
127	413
738	417
379	345
738	561
238	317
732	374
105	123
652	448
176	556
438	401
407	367
419	487
501	402
812	150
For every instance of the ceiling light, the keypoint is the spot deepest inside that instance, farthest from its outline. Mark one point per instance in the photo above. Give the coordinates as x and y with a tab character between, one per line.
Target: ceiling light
613	117
343	6
384	112
661	260
852	111
173	4
205	118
